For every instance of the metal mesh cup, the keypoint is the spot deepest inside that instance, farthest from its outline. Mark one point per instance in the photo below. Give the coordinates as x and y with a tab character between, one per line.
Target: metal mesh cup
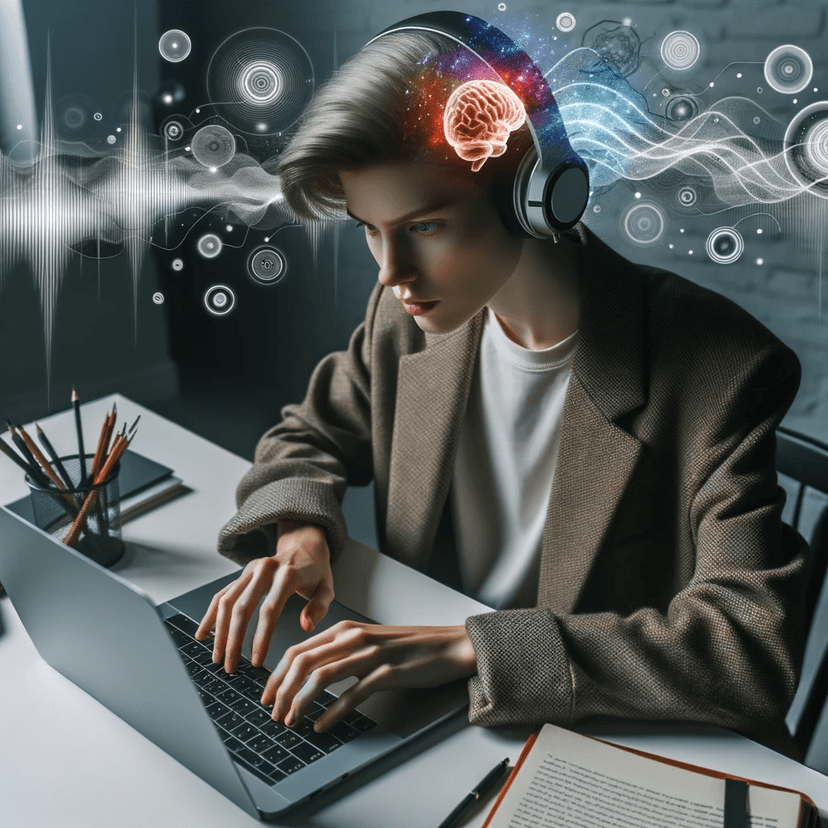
55	510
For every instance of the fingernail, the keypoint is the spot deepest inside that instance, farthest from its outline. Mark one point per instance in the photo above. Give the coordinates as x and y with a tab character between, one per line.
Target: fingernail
289	720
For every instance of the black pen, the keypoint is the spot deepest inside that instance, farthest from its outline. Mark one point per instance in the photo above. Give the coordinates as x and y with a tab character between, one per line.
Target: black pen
482	787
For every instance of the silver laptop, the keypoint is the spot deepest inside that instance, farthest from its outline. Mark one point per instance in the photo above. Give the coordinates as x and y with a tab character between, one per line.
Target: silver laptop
141	662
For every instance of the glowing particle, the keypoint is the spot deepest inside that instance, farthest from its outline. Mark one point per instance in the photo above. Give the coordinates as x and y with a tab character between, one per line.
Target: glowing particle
158	298
596	208
209	246
712	84
638	195
98	116
738	74
759	231
229	228
682	230
20	126
759	89
671	246
760	261
118	129
174	45
690	252
178	265
756	120
111	139
501	7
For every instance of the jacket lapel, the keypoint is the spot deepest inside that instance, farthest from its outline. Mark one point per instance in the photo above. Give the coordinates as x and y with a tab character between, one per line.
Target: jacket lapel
433	387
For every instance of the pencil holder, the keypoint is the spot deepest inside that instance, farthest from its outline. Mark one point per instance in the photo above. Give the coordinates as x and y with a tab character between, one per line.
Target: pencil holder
55	510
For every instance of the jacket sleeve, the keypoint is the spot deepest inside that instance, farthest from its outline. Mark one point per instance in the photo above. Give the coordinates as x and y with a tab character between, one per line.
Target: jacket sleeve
728	648
303	465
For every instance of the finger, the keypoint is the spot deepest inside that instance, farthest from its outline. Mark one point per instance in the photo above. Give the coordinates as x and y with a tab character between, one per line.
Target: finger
354	664
382	677
223	614
317	607
209	618
240	615
269	614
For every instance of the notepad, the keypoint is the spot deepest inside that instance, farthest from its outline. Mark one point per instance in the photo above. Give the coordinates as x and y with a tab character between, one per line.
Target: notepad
573	781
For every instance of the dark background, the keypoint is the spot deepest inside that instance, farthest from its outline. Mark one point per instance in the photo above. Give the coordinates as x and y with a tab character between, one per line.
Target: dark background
228	377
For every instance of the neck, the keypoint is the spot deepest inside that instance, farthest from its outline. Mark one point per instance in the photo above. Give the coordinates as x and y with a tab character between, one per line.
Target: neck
539	306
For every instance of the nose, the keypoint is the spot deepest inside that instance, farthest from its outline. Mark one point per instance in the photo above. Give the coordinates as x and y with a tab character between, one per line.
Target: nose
396	264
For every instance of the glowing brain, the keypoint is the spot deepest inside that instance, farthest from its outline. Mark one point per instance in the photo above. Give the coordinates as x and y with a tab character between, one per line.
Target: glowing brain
478	118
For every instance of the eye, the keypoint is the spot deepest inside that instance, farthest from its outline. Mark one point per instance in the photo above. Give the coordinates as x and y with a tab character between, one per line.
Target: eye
369	228
434	225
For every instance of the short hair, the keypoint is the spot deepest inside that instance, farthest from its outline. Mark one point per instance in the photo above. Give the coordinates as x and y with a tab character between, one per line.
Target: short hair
378	107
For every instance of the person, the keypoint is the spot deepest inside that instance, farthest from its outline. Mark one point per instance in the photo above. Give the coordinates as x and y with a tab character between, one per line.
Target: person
584	444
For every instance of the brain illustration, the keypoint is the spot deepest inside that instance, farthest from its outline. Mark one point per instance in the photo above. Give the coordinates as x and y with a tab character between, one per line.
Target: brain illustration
478	118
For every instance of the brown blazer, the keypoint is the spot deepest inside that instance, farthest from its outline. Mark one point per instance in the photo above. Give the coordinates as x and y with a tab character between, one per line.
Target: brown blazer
669	588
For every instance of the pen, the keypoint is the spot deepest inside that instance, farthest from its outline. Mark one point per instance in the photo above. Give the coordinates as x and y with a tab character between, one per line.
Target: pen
481	788
79	430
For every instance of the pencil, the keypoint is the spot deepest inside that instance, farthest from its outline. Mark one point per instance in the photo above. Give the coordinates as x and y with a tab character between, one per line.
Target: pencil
118	448
100	451
133	426
79	429
13	455
38	455
31	463
46	443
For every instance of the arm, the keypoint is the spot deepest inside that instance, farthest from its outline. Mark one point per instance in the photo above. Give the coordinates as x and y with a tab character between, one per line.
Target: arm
728	648
303	465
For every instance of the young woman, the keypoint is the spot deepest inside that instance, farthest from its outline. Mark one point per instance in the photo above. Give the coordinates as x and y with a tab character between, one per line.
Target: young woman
598	437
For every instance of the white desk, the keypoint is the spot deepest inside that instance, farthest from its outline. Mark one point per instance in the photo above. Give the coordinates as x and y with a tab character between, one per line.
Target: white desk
66	761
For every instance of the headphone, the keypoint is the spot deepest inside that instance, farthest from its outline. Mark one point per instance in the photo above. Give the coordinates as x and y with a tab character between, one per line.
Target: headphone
550	189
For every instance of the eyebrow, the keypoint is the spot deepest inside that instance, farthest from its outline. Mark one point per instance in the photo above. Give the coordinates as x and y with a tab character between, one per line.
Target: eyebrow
436	205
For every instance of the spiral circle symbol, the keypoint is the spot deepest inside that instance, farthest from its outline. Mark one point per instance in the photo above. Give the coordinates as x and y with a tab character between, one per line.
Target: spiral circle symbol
173	130
680	50
213	146
98	116
806	148
565	22
209	246
267	265
219	300
788	69
644	224
158	298
260	83
174	45
725	245
178	265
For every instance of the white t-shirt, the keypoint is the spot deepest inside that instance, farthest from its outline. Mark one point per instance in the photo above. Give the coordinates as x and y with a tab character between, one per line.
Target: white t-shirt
505	464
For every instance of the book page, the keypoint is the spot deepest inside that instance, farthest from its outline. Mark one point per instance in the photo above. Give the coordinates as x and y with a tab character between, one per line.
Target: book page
572	781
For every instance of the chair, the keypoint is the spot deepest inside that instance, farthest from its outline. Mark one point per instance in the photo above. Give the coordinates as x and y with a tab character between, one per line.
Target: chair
805	461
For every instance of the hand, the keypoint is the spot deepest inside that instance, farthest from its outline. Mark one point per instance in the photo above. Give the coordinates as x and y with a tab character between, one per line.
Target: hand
381	657
301	565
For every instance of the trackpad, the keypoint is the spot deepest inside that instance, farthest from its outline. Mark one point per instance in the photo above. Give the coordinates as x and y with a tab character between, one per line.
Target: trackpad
402	712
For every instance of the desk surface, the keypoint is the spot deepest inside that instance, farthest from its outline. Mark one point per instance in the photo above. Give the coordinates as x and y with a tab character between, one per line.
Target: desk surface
67	761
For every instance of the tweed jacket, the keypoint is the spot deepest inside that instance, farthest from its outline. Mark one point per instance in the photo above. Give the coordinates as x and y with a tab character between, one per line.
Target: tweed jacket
669	587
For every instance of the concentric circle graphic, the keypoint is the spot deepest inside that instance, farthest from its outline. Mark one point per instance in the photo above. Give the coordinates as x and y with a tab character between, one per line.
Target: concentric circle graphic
213	146
680	50
174	45
209	246
219	300
260	80
682	108
644	224
806	148
173	131
267	265
75	117
789	69
158	298
565	21
725	245
178	265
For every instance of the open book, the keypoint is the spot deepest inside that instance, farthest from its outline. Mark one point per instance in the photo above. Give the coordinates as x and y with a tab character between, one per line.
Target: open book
566	780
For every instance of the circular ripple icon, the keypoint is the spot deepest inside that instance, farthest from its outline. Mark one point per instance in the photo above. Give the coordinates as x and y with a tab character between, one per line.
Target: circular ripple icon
213	146
788	69
173	131
174	45
260	80
565	21
158	298
681	108
644	224
267	265
219	300
806	148
725	245
178	265
680	50
74	117
209	246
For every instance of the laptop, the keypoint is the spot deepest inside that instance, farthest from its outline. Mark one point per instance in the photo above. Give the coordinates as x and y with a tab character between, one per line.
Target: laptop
142	662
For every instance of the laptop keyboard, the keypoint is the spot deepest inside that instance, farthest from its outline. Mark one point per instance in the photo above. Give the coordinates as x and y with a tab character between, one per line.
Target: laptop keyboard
266	748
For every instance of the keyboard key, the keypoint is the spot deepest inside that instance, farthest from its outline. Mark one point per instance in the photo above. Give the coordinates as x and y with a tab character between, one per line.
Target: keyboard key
343	732
275	754
184	623
228	695
362	723
232	743
255	764
325	699
216	709
193	649
205	696
307	753
287	739
313	715
258	717
291	765
243	706
303	728
178	636
324	741
276	776
230	720
260	743
193	668
245	732
272	728
204	658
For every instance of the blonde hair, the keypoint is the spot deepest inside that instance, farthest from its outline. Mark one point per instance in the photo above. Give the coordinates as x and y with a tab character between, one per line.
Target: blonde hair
369	112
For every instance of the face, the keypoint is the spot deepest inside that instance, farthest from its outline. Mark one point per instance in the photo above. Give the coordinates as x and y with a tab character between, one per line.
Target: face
436	236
